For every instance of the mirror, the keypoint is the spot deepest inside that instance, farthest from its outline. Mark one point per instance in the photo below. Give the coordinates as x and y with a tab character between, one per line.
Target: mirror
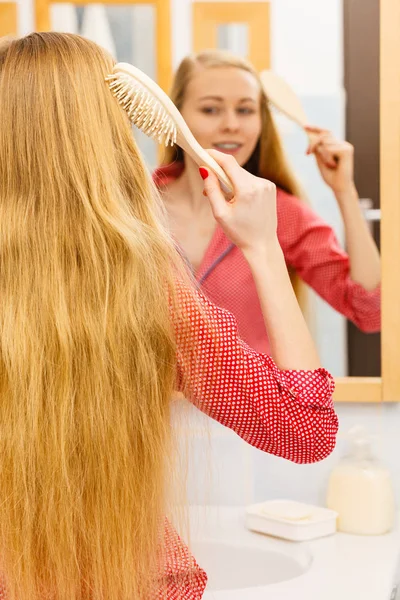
316	52
334	96
234	37
8	18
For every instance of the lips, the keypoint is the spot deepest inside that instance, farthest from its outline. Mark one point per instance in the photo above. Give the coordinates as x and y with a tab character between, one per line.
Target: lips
228	146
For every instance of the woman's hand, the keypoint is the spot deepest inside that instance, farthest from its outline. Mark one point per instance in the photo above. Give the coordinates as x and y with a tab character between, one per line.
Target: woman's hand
249	220
249	217
335	159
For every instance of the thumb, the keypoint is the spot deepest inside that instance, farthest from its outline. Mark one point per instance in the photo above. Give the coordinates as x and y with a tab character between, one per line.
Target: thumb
213	192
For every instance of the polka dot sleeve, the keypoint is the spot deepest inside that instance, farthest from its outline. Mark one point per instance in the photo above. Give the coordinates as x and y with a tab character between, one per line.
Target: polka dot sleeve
181	578
311	248
286	413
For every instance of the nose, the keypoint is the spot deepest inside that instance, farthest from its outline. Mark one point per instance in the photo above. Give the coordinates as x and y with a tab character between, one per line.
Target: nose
230	121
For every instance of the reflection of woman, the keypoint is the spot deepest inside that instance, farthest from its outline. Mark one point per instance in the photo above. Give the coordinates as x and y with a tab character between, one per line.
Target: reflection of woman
98	325
219	96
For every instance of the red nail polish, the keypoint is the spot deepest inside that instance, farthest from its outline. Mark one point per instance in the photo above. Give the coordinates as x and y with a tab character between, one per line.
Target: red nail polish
203	172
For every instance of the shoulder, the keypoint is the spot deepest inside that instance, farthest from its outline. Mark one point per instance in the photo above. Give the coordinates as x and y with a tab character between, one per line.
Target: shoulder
299	225
286	200
290	208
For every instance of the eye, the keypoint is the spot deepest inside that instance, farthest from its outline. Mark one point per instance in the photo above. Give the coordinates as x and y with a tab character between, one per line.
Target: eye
209	110
245	110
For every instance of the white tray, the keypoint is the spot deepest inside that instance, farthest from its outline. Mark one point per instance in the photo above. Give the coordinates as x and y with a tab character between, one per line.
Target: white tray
291	520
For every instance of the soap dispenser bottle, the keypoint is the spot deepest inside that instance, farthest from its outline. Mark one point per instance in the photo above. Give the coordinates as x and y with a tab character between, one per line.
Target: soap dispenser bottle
360	489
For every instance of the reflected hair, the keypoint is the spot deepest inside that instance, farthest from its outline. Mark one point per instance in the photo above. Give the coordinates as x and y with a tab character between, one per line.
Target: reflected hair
268	159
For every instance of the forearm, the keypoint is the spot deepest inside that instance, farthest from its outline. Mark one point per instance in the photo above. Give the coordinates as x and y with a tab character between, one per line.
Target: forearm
364	256
290	340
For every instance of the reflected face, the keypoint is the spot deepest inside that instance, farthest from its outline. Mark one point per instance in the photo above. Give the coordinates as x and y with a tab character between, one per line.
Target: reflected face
222	109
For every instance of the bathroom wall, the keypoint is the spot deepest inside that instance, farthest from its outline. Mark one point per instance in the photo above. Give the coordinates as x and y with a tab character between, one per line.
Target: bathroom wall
225	470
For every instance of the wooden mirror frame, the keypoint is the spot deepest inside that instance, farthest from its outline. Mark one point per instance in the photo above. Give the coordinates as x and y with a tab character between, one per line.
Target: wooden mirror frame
348	389
8	18
207	16
387	387
162	29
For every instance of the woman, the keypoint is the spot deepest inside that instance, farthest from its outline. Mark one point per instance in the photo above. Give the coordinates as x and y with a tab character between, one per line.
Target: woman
221	99
99	324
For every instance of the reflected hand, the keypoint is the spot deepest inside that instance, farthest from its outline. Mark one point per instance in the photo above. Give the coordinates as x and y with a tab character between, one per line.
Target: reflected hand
249	217
335	159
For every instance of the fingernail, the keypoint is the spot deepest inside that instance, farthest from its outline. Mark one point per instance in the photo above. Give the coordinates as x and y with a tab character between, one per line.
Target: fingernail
203	172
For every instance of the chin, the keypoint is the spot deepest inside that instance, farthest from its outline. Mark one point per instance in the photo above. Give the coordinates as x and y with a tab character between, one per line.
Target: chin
243	160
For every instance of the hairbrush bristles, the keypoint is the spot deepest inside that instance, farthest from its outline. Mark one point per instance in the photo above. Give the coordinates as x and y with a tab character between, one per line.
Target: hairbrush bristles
143	109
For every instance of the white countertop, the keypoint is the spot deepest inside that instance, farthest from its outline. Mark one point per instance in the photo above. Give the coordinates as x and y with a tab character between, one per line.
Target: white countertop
344	567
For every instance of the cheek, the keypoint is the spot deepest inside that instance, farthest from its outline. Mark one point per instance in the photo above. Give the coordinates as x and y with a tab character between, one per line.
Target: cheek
203	129
253	131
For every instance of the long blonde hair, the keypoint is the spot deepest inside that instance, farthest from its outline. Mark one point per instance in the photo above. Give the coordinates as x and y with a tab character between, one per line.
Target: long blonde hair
87	349
268	159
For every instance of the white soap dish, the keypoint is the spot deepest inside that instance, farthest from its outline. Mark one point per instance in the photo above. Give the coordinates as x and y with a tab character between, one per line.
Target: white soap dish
291	520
